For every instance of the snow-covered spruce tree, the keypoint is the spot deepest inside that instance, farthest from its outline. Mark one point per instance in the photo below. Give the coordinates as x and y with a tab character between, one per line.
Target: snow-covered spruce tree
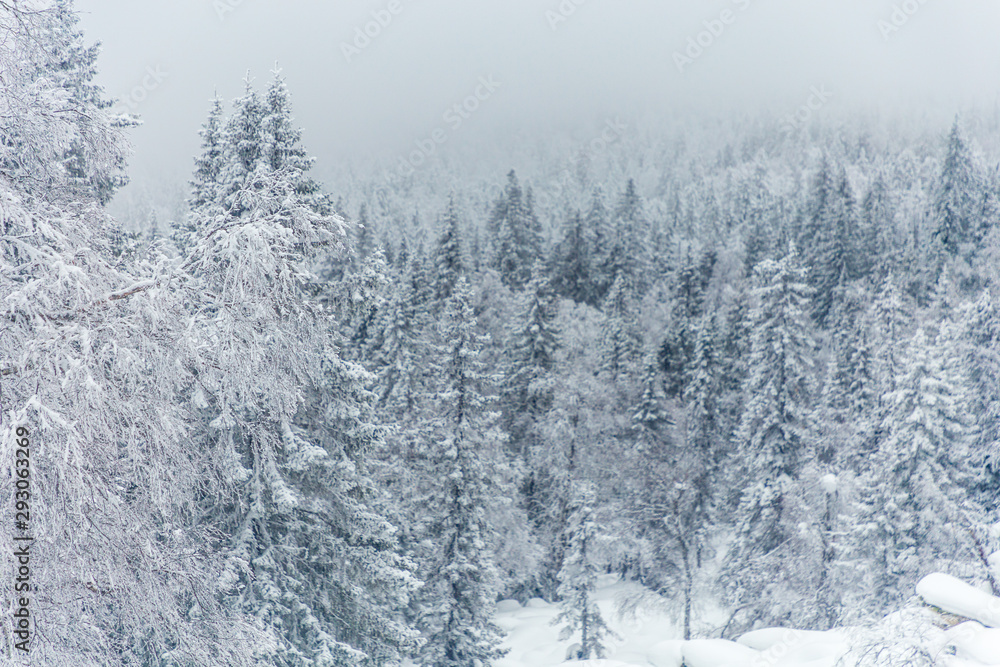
861	364
205	181
208	166
650	419
530	388
120	567
397	354
400	351
878	252
290	420
532	344
572	263
205	199
361	300
757	245
834	250
734	351
849	403
675	353
670	467
914	516
620	341
597	223
449	261
628	256
981	364
705	446
660	495
402	356
282	147
958	200
633	226
701	400
978	340
890	318
75	150
822	192
578	611
770	570
365	235
575	434
472	476
516	234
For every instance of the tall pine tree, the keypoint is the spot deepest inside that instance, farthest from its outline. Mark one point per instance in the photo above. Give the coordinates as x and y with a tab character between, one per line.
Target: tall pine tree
462	582
309	553
769	567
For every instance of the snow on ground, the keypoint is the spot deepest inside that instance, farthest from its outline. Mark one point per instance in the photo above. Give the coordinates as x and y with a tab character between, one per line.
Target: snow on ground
974	642
534	642
650	639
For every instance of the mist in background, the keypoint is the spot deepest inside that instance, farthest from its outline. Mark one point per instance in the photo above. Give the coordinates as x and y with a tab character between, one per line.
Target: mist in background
369	79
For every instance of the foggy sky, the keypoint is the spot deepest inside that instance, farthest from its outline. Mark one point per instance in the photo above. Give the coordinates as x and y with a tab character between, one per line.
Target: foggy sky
607	57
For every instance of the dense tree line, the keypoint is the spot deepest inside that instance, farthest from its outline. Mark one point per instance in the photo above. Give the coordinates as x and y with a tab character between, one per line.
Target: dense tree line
771	394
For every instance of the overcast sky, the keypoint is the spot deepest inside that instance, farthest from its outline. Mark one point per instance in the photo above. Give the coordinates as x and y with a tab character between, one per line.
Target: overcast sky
607	57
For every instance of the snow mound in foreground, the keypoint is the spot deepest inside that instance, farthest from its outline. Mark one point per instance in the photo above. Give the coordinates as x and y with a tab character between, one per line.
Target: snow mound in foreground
957	597
974	643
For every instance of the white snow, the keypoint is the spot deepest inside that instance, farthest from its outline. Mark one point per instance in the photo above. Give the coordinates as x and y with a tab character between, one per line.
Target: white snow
718	652
829	484
767	638
534	642
667	653
652	637
957	597
508	606
974	642
994	561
